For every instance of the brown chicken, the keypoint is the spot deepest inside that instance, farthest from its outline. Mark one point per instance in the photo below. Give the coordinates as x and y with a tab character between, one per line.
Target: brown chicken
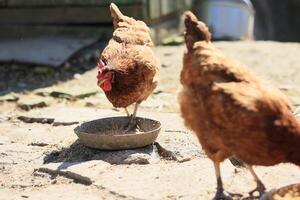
231	111
127	68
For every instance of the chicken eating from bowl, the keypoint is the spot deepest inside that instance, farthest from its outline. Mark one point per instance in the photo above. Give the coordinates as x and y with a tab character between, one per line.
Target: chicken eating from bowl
127	68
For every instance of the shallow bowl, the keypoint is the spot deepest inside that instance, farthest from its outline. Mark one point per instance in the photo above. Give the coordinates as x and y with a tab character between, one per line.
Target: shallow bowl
98	133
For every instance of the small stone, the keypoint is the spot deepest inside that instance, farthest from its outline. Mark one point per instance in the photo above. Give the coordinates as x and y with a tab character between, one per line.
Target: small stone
36	120
164	65
138	158
38	144
77	76
34	101
9	97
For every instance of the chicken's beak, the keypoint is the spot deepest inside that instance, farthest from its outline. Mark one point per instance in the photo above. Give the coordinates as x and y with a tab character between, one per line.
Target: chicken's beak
100	82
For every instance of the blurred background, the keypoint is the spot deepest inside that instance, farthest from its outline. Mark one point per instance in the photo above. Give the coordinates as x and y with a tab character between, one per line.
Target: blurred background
45	42
49	51
274	20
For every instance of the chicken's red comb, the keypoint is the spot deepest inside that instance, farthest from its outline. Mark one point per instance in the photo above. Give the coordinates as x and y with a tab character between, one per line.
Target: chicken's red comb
100	64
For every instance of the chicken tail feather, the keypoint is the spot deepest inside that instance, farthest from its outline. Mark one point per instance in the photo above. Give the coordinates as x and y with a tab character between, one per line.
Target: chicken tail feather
116	14
194	30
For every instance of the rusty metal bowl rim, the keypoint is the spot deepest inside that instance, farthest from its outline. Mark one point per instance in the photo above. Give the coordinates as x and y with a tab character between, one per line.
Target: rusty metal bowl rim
78	131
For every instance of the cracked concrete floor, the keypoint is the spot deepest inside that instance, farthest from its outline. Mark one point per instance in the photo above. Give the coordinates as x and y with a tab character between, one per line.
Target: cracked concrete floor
32	155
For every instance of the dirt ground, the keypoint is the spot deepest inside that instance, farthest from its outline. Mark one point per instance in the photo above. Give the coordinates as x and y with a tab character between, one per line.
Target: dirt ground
46	161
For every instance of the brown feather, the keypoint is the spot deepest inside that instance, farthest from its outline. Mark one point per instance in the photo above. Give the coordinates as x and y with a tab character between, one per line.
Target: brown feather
195	30
231	111
129	30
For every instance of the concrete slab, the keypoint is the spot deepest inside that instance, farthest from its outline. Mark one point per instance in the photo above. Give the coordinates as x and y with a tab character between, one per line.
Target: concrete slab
51	51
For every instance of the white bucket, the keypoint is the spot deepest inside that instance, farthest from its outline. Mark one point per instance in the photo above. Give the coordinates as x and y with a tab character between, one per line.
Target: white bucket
230	19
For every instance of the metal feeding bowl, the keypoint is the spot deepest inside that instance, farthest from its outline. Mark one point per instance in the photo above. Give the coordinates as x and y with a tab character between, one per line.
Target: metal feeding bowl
111	134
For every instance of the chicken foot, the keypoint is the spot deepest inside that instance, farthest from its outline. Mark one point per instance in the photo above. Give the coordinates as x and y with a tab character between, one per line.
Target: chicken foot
220	195
260	188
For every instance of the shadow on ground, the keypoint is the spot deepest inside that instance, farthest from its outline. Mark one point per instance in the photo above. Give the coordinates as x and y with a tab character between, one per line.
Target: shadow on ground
238	196
79	153
20	77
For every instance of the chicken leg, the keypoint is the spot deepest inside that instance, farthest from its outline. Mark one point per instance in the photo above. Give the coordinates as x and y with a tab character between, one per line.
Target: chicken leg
132	122
259	185
127	113
220	195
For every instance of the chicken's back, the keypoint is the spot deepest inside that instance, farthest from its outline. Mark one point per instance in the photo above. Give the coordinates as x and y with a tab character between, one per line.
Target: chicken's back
129	30
231	111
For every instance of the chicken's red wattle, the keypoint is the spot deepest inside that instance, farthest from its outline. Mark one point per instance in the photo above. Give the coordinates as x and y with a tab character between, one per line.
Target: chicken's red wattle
106	86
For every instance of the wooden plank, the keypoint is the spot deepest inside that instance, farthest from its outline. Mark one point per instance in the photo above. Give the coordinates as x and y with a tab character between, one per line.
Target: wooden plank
23	31
43	50
164	29
188	3
154	9
159	30
168	6
47	3
61	15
